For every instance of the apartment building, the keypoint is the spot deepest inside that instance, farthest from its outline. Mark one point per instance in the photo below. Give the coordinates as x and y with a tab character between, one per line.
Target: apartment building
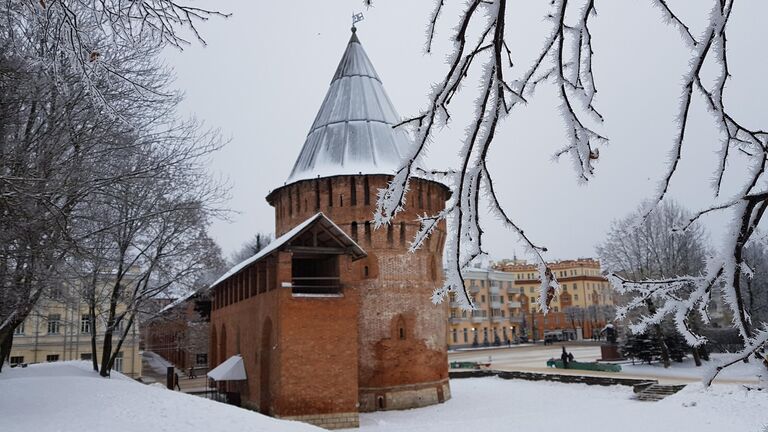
58	329
506	299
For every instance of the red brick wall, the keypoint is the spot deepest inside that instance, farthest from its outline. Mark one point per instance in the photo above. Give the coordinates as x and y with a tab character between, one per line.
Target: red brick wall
399	283
312	348
171	336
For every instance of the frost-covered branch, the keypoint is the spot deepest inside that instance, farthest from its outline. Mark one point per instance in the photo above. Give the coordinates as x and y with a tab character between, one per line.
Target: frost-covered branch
565	60
83	35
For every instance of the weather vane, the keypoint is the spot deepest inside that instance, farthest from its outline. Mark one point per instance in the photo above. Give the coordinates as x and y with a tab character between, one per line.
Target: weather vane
356	18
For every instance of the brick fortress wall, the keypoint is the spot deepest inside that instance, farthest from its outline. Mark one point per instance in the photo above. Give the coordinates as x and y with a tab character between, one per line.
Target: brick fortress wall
402	350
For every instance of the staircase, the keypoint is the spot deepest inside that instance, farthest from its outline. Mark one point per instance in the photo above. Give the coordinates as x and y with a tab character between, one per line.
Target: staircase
655	392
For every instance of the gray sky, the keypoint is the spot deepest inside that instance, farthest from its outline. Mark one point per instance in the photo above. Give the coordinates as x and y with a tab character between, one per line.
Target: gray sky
265	71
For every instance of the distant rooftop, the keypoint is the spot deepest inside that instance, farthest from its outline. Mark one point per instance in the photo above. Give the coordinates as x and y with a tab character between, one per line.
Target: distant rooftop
352	132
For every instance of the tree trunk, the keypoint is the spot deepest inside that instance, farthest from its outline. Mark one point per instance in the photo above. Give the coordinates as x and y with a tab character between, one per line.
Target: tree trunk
92	319
662	345
6	343
696	356
659	335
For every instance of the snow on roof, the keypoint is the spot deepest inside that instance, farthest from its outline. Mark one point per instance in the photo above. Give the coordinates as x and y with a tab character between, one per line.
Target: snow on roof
354	248
231	370
352	133
178	301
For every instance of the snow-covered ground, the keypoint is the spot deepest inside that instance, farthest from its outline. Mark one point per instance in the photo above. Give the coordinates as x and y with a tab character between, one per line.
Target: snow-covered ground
751	371
494	404
68	396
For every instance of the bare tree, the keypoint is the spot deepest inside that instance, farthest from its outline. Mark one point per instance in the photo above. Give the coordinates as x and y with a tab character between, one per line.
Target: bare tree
72	175
756	281
565	63
82	36
650	251
251	247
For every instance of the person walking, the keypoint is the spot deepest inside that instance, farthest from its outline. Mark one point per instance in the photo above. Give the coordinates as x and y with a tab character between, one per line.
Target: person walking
564	358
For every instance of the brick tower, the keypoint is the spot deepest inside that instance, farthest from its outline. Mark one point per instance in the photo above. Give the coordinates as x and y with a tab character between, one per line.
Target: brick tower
350	152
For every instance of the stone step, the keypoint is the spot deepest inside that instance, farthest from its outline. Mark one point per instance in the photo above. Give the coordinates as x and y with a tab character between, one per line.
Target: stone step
657	392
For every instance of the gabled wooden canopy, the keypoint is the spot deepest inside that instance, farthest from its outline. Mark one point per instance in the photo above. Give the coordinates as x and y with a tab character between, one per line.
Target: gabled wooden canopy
315	236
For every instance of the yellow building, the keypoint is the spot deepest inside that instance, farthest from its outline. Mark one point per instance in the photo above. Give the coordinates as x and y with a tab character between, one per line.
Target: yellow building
506	299
58	329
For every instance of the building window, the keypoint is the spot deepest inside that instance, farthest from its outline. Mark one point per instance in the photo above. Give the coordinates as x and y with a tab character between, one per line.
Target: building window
367	229
53	323
565	287
201	359
330	193
390	235
482	298
532	289
352	191
52	358
118	364
455	336
576	297
556	310
19	330
15	360
466	339
85	324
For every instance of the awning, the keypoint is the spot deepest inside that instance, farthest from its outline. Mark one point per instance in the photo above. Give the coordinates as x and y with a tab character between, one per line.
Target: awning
231	370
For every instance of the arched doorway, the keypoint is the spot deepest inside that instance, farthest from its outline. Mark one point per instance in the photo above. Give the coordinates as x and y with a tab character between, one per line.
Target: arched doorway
265	395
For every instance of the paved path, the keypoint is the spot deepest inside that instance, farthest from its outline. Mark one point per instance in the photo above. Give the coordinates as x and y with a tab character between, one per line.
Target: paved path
154	367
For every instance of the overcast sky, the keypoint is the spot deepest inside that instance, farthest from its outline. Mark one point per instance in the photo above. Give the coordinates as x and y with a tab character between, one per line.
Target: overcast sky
265	71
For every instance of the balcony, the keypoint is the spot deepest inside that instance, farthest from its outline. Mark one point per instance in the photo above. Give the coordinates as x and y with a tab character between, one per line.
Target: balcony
496	304
495	289
514	290
474	289
514	305
454	304
456	320
316	285
516	319
498	319
479	319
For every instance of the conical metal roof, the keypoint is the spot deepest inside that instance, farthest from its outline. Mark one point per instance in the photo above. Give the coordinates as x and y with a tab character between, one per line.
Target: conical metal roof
352	132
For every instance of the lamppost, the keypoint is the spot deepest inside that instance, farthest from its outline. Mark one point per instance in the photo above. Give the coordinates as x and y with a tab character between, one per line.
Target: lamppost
474	337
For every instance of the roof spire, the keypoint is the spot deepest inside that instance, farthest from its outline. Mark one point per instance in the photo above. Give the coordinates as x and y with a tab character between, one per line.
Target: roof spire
352	132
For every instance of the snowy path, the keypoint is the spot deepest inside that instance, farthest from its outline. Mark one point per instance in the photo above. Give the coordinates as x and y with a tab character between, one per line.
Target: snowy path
495	404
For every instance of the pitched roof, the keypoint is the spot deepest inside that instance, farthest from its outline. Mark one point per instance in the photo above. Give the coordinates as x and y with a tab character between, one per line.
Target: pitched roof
319	218
352	132
232	369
